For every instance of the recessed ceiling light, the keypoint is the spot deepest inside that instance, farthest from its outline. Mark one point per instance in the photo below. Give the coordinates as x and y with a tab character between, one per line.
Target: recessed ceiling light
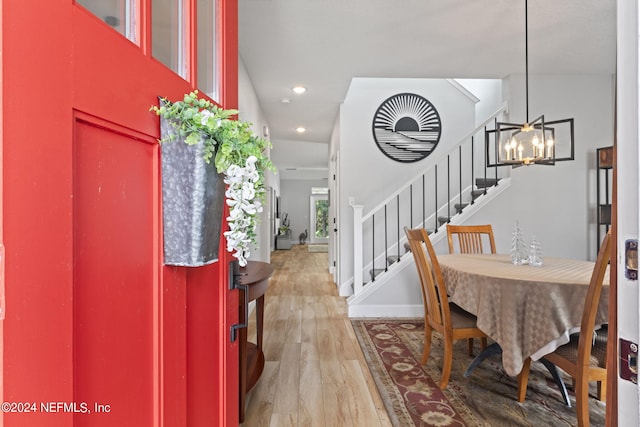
285	101
300	129
299	89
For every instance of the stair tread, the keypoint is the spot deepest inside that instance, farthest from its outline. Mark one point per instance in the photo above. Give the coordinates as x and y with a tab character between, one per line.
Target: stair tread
477	193
486	182
460	206
391	259
375	272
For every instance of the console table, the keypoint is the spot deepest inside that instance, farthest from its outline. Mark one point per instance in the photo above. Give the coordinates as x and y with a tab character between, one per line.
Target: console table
255	275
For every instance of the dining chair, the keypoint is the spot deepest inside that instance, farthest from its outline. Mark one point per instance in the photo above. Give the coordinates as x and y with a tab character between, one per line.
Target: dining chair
470	238
584	357
470	241
440	315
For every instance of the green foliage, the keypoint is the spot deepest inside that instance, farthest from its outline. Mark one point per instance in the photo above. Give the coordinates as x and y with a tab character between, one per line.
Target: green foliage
226	140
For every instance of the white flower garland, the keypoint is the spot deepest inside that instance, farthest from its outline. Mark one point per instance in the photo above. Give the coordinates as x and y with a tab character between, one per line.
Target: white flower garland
244	205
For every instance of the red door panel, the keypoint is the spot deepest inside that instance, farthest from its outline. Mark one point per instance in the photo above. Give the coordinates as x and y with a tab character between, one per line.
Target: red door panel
113	289
92	315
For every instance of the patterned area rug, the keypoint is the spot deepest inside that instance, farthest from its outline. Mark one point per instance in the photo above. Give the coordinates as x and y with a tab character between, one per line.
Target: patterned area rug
393	350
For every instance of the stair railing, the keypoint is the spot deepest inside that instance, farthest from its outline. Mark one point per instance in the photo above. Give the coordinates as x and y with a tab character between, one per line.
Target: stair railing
429	200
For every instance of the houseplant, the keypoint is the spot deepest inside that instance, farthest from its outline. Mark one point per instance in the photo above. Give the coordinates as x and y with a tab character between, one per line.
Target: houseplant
237	154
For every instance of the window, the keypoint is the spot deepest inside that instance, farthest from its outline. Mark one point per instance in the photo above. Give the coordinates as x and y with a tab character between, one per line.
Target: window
208	48
118	14
167	34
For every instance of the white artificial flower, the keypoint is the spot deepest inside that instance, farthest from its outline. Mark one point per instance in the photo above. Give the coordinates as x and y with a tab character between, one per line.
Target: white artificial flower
248	191
251	161
234	170
243	207
204	117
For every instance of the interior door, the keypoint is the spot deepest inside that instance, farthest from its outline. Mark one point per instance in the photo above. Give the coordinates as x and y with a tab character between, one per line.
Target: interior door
626	212
319	215
94	321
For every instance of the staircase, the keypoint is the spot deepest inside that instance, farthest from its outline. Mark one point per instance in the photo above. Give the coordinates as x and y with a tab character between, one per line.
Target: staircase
455	185
482	186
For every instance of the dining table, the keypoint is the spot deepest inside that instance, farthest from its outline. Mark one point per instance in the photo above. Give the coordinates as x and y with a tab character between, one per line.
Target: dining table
529	311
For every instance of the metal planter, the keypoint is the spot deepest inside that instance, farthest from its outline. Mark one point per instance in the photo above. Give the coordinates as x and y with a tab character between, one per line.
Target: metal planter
192	203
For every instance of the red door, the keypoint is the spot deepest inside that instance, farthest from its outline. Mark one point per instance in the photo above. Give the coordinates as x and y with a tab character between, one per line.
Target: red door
97	331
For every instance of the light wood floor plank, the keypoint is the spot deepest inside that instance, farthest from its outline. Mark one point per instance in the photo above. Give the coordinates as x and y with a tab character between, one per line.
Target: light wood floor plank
258	413
336	407
329	360
345	346
286	420
310	404
287	384
293	332
315	374
361	406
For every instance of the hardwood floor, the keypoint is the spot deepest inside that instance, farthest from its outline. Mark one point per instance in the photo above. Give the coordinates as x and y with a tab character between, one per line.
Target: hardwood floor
315	373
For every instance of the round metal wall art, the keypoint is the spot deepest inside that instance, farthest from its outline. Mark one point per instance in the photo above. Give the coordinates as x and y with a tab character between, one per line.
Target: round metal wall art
406	127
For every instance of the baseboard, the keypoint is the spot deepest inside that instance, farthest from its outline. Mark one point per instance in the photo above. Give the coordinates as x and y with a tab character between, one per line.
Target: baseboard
415	310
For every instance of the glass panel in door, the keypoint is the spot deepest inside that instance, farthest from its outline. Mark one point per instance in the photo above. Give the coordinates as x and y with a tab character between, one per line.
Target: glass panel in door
168	34
208	70
118	14
319	219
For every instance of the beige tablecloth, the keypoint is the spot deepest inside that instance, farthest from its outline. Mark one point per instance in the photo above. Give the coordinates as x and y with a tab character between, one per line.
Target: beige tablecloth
529	311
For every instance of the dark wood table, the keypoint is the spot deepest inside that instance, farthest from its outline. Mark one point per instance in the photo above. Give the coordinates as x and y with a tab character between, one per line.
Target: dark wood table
255	275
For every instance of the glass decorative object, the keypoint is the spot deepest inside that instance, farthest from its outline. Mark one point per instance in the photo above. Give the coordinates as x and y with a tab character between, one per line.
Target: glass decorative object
518	247
535	253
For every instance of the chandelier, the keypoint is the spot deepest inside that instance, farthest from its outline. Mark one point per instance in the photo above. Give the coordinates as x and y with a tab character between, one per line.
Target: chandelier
533	142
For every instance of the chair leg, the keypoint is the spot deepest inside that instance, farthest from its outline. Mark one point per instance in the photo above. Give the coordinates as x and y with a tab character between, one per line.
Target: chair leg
447	362
602	391
553	370
582	403
523	379
470	346
427	343
483	343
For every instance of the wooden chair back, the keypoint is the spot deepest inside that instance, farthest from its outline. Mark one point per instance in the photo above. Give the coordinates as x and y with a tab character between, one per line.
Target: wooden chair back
434	291
578	363
591	305
470	238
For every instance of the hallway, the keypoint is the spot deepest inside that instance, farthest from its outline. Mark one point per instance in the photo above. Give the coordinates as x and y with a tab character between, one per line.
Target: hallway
315	373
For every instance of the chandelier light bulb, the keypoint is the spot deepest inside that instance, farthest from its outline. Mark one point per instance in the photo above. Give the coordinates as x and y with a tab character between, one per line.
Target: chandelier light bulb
536	140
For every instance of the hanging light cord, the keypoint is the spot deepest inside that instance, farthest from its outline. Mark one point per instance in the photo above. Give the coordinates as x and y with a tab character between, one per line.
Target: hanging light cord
526	55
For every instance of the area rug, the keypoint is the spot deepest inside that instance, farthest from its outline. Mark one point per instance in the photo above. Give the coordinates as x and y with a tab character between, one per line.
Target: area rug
319	247
393	349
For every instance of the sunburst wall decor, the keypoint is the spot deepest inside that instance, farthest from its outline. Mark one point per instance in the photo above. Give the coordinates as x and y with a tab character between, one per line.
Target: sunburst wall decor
406	127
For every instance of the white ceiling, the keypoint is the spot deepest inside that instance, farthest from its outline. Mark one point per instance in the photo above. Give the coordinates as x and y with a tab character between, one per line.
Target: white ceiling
323	44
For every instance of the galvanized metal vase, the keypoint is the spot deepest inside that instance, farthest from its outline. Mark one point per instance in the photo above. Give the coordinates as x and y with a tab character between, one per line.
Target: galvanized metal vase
192	203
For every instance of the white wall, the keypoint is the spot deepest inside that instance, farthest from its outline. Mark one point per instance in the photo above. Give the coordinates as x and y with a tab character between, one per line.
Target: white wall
489	94
250	111
557	203
294	200
365	173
